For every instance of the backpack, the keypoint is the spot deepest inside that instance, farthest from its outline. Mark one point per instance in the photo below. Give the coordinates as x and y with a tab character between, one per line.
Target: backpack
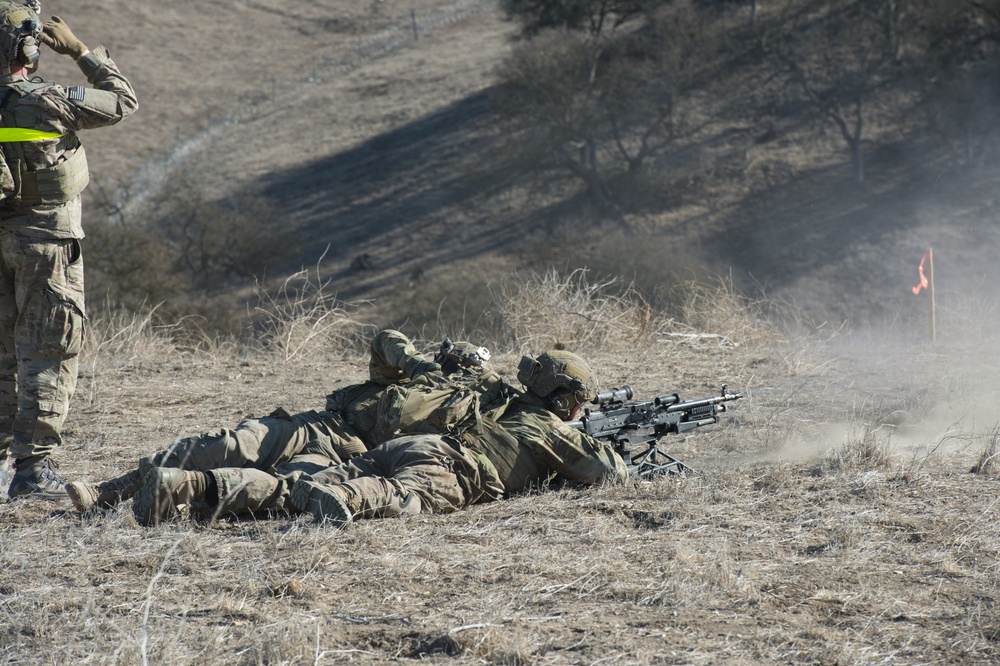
413	409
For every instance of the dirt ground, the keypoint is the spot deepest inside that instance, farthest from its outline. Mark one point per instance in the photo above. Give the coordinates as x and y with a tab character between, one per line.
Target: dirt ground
835	519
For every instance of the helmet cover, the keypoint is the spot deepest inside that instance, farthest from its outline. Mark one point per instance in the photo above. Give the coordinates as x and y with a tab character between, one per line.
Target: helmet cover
463	357
555	370
20	34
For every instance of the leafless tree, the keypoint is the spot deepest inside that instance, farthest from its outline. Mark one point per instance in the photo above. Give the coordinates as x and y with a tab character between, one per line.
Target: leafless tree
839	53
600	108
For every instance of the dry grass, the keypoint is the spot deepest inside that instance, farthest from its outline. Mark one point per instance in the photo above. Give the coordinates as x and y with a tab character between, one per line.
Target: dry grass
834	557
988	464
300	319
537	311
868	444
714	312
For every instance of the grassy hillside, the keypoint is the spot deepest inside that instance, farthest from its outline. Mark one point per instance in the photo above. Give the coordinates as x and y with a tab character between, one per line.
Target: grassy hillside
844	512
324	135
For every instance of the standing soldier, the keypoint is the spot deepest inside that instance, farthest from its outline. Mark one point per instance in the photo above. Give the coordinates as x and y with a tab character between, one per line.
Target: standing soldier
42	173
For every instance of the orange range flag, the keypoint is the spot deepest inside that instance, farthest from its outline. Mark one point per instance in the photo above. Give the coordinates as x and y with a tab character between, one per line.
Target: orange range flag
923	278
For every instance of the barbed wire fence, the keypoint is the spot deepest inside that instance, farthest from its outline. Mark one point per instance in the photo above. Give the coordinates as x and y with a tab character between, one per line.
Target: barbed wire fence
154	174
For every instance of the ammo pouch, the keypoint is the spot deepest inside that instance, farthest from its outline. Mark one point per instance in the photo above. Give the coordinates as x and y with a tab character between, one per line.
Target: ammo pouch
55	185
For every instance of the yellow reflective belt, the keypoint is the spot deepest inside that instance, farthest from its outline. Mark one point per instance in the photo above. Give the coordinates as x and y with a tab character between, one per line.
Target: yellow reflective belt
16	134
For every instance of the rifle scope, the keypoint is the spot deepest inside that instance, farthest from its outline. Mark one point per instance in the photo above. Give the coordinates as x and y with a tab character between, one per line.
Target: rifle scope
620	394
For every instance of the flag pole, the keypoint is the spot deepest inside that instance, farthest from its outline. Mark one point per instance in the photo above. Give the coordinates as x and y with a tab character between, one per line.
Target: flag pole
930	294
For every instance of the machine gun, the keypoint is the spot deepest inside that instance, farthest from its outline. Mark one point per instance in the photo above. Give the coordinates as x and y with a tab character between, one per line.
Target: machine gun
629	425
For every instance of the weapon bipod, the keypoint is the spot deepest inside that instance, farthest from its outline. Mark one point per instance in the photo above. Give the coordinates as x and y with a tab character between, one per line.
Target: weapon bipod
655	462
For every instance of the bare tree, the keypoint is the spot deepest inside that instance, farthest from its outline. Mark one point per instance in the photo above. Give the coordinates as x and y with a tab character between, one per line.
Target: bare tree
599	109
839	53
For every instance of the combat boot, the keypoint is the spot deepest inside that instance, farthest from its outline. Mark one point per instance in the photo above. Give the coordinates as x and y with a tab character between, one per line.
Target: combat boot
86	496
164	491
4	479
36	476
325	503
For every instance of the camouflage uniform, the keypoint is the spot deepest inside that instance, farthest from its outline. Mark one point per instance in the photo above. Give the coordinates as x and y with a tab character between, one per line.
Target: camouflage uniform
353	422
345	429
524	448
283	443
41	265
513	442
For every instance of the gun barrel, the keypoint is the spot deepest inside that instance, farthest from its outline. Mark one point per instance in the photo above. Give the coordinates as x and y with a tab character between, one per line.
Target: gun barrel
693	404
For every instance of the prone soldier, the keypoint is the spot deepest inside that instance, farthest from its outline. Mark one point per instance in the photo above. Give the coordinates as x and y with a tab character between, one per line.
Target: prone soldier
507	448
356	418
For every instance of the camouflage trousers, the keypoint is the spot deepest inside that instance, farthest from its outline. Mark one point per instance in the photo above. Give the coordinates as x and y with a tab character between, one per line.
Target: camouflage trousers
314	440
443	475
41	334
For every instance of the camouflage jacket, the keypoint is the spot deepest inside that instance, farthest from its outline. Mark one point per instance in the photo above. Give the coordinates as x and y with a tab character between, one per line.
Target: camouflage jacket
49	107
528	445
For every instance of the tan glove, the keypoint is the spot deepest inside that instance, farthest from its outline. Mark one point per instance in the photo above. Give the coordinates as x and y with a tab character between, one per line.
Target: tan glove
58	37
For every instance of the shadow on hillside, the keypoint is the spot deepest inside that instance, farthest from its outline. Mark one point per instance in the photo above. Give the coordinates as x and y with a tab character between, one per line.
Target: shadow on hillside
821	217
399	189
433	191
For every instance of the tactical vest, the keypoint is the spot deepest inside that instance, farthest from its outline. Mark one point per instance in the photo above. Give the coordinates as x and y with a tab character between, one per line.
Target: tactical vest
20	185
482	432
406	410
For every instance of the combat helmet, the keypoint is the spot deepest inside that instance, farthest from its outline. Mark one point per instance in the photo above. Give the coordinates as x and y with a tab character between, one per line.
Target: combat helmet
463	357
469	365
20	34
560	378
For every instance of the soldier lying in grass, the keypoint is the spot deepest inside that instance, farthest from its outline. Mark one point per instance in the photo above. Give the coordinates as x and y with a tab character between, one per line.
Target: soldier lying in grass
356	418
508	448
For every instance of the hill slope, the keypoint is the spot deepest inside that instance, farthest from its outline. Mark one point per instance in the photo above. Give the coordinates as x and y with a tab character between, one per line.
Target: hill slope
380	153
836	520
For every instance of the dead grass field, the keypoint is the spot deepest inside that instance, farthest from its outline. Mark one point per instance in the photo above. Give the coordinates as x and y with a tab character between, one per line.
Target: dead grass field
835	520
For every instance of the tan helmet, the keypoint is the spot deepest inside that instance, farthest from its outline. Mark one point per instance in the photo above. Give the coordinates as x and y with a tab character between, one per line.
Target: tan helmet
464	357
561	378
20	34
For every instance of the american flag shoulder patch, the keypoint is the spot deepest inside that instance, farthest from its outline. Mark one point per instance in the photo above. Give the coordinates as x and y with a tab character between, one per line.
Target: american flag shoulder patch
76	93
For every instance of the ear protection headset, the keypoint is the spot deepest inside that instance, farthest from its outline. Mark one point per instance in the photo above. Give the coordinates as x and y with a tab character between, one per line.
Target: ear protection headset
20	34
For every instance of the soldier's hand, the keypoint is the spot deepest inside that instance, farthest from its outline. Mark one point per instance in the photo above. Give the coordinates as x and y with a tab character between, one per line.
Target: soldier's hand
423	371
58	37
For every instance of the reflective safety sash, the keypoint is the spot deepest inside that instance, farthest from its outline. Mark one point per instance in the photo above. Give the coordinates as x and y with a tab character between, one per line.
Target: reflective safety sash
18	135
